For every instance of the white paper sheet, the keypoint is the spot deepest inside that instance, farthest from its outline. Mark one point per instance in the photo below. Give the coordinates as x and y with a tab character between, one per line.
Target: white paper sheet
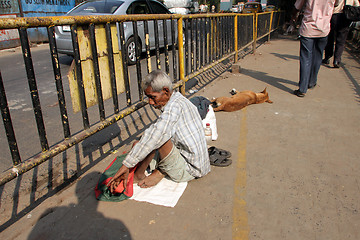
166	193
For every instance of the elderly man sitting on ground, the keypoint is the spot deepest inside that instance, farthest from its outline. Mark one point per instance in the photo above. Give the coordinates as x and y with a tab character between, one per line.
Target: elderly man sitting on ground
176	141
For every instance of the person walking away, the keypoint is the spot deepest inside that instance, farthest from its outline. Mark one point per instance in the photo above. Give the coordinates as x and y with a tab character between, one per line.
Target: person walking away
314	29
339	29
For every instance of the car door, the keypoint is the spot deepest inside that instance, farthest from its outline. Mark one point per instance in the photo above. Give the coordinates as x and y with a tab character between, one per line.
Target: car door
158	8
141	7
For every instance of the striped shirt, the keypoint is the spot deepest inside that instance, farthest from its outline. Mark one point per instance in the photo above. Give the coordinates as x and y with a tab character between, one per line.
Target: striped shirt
179	121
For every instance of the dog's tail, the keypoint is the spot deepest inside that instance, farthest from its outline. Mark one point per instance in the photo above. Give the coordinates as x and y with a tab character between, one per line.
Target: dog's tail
263	97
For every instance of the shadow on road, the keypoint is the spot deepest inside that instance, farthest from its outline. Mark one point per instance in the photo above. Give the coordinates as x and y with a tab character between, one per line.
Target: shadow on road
81	220
276	82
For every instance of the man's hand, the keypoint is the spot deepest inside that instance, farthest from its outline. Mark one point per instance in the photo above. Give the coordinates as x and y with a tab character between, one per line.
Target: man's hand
122	174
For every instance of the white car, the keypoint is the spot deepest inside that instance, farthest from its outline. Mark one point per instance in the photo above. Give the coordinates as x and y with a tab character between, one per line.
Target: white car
119	7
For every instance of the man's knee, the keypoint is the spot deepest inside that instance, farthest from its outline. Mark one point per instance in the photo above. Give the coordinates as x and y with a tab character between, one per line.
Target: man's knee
165	149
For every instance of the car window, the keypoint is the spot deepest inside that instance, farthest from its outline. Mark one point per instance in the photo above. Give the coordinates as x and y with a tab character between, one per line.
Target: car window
138	7
107	7
157	8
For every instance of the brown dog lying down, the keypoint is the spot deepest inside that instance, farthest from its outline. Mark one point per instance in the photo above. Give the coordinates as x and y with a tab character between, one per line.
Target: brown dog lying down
239	100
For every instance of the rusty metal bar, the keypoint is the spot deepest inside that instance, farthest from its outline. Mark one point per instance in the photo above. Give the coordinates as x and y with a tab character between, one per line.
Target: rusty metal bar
216	46
157	47
211	38
186	46
66	144
207	42
203	44
26	22
221	36
222	39
33	88
79	77
231	30
125	63
230	33
217	37
173	42
147	45
196	50
166	46
235	21
58	81
96	72
192	44
112	67
224	28
255	20
227	34
10	133
138	64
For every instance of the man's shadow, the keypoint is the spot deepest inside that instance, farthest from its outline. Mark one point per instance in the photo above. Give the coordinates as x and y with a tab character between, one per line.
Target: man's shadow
81	220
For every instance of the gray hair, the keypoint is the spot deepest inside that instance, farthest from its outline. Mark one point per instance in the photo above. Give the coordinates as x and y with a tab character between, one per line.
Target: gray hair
157	79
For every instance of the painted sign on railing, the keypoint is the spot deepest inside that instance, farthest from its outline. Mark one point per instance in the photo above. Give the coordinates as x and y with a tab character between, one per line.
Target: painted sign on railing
9	37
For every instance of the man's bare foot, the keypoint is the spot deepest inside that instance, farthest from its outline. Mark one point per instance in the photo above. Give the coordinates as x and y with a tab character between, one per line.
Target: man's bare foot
138	176
151	180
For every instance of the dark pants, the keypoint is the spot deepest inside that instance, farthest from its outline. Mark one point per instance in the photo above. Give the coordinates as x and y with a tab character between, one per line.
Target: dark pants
338	34
311	51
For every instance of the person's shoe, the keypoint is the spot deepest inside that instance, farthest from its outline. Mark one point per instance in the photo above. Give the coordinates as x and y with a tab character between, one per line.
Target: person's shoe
325	61
312	87
336	64
298	93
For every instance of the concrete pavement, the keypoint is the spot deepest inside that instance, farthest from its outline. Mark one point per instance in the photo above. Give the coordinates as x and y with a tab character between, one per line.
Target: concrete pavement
295	171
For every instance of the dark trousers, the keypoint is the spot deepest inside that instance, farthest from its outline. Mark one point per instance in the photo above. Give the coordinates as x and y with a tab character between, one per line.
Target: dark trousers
338	34
311	51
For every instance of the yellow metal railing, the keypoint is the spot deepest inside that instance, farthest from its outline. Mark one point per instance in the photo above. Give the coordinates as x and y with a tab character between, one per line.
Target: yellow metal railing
209	39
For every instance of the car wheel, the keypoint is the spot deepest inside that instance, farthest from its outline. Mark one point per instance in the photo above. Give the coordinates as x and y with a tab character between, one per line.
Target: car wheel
130	47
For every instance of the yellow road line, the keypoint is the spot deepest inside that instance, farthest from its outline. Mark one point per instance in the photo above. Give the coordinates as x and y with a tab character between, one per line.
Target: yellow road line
240	228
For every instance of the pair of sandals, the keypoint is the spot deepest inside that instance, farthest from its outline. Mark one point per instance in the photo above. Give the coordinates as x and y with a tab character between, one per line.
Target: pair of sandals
219	157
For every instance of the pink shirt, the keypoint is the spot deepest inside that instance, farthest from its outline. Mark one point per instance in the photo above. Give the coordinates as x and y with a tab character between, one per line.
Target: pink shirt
317	16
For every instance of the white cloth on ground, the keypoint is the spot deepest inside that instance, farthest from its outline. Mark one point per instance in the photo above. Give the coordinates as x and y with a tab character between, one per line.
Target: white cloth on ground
166	193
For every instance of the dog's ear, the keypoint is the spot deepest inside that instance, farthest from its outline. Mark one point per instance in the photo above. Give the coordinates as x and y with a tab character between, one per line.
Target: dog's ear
214	104
233	91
